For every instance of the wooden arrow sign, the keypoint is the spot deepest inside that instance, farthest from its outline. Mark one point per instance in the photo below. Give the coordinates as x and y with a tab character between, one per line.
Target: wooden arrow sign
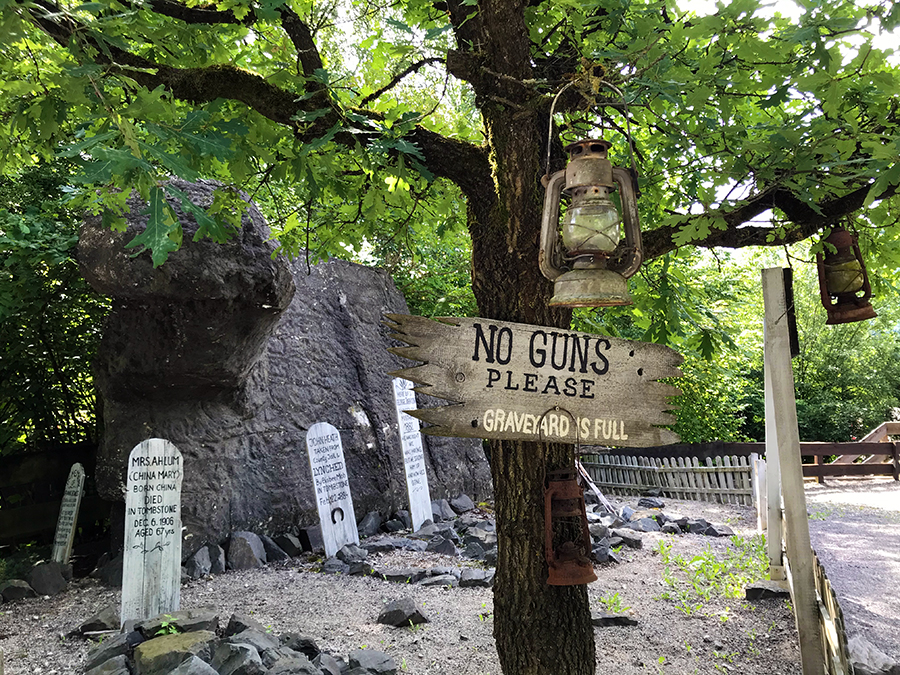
519	382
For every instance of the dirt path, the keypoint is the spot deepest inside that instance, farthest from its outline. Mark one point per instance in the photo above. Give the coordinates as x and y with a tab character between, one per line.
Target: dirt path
854	524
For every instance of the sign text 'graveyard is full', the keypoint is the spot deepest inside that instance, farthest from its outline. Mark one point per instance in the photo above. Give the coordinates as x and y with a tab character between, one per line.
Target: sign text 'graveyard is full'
521	382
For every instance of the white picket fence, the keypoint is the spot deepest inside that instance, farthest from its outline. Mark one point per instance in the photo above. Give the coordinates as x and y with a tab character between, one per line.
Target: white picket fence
725	479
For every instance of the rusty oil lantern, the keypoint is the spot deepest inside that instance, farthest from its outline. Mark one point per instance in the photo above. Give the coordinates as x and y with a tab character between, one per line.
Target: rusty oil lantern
842	276
567	541
582	266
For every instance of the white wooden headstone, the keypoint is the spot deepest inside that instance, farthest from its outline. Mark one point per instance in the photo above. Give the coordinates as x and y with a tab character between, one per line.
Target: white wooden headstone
68	515
329	473
151	574
413	453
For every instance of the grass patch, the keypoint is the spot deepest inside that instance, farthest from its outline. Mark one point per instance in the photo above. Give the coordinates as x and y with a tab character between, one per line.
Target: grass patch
693	582
613	603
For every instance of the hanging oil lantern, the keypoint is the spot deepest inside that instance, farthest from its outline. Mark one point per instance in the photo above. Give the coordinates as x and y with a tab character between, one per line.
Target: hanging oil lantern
581	265
567	541
842	277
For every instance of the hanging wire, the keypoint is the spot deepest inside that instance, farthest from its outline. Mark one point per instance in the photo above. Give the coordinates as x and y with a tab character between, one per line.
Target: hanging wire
576	450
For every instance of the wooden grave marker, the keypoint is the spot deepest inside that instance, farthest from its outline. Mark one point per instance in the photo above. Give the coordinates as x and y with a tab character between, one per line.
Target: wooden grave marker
332	486
151	573
533	383
413	453
68	515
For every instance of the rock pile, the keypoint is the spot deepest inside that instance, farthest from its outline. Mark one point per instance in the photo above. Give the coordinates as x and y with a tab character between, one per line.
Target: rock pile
191	642
610	531
46	578
459	529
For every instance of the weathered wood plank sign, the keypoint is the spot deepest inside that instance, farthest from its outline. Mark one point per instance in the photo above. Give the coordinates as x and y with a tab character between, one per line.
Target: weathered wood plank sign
151	570
519	382
68	515
329	473
413	453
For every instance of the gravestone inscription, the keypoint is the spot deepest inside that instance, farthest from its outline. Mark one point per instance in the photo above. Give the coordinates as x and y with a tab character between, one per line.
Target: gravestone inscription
329	473
68	515
413	453
151	574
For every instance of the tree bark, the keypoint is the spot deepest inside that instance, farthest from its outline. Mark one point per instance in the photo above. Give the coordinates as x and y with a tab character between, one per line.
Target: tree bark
539	629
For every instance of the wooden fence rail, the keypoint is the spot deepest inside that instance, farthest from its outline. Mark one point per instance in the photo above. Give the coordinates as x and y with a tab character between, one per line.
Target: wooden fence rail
726	479
864	458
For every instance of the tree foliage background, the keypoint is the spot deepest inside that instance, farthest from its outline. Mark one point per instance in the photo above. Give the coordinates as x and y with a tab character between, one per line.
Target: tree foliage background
50	319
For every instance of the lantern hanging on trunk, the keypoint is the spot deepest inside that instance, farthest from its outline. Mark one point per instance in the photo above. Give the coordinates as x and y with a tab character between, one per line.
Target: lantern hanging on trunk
577	254
567	541
842	277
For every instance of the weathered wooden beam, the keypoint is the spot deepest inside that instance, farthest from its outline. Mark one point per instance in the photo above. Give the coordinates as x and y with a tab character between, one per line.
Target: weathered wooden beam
799	553
534	383
836	471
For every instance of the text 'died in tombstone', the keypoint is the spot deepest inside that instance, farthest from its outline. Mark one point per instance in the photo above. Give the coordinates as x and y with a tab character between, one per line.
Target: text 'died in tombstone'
151	575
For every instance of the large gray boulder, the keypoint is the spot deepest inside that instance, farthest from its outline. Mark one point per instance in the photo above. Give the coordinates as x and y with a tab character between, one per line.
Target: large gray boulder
47	578
218	353
245	551
867	659
16	589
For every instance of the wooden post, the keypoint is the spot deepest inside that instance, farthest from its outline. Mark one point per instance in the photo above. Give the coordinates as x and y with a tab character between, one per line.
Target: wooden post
151	569
896	463
760	492
818	460
68	515
773	477
798	547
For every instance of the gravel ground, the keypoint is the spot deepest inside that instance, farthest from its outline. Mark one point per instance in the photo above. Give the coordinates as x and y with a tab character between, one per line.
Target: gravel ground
853	524
722	635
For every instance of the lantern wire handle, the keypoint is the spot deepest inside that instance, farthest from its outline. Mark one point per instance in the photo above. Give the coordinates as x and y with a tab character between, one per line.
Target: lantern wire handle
576	447
550	135
634	172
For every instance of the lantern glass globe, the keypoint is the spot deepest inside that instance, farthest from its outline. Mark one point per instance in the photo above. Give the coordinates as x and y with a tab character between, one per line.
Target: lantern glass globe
843	277
591	225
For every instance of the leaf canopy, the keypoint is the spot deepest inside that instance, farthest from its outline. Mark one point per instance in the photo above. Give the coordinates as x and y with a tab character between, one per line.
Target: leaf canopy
360	111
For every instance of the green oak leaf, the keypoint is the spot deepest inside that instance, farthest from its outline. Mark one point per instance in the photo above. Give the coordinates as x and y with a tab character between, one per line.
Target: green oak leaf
163	232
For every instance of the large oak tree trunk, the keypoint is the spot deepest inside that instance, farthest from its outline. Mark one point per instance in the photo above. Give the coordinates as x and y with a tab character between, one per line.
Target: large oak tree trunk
539	629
